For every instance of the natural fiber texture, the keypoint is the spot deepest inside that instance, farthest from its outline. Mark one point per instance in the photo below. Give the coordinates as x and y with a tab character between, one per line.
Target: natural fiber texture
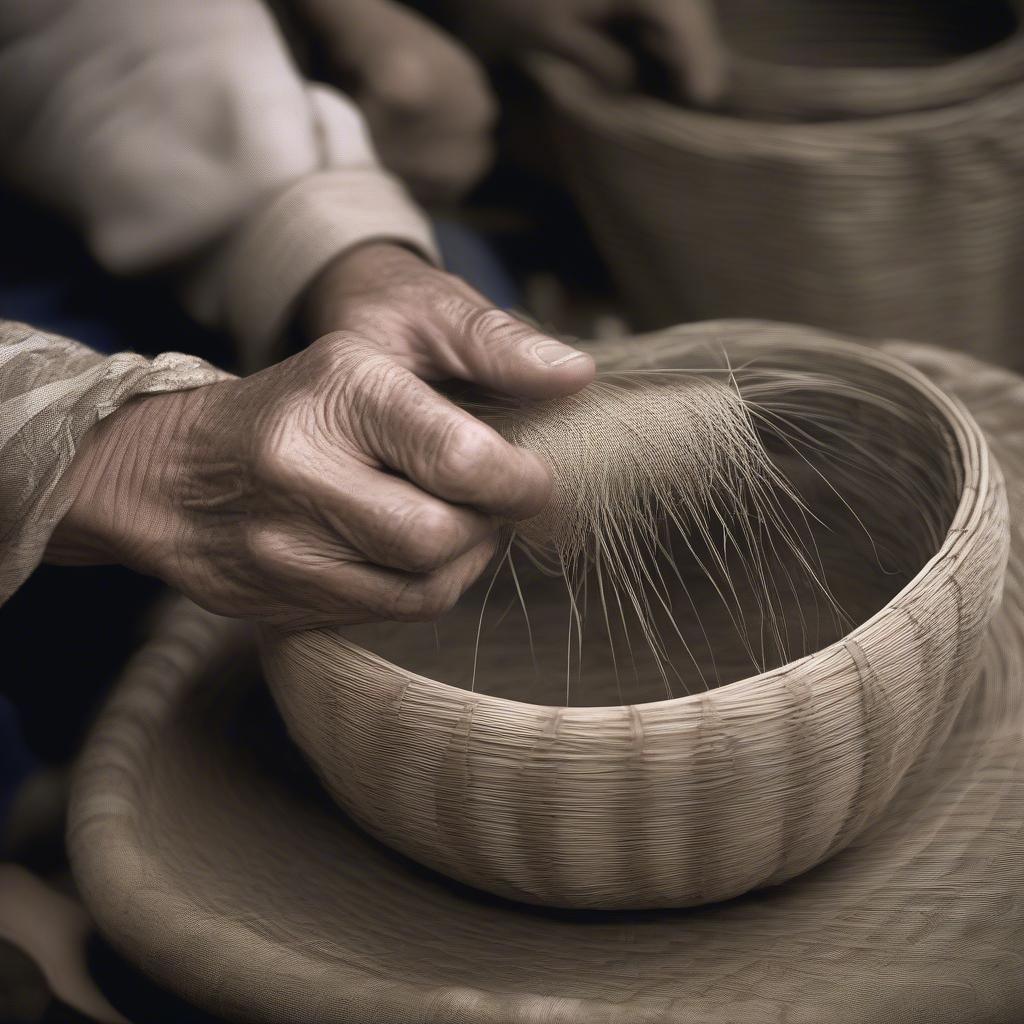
663	491
840	59
210	858
648	802
904	225
630	445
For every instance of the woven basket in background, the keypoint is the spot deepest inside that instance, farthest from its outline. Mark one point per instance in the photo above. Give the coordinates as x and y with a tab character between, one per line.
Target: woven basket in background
816	60
879	201
699	798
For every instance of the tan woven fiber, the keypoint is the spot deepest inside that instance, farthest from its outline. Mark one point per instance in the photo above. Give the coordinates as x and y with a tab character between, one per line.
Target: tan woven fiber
815	60
683	801
905	225
209	856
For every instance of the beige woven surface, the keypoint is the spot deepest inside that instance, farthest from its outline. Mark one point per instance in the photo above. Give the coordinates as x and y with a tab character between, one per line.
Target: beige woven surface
907	225
698	798
210	858
819	60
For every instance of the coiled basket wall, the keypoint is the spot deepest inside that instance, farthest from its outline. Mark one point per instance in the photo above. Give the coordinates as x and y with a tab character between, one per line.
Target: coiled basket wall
469	747
861	174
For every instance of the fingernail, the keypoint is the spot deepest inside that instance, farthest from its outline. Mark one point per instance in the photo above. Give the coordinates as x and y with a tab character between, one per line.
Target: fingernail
554	353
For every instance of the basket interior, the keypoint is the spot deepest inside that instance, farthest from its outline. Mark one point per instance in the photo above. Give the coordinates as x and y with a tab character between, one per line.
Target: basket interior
879	480
863	33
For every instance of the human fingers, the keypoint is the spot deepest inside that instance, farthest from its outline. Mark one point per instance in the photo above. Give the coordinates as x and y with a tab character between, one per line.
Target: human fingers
398	419
359	512
589	48
439	326
314	588
473	340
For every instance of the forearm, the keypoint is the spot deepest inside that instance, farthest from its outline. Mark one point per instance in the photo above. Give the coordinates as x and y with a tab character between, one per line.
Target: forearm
52	392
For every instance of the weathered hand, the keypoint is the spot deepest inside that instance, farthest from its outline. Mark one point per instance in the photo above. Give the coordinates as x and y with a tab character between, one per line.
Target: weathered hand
433	324
680	33
425	97
336	486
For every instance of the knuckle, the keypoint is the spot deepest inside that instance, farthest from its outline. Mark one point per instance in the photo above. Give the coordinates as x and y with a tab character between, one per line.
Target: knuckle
337	350
425	537
375	399
371	384
495	330
267	547
463	451
376	376
275	451
488	325
425	600
284	446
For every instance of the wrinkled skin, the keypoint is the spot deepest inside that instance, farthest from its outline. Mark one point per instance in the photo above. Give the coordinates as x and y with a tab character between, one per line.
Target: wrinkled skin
680	33
424	96
337	486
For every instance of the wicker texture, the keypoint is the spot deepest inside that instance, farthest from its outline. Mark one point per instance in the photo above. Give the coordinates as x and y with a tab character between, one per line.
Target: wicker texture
905	225
809	60
689	800
209	857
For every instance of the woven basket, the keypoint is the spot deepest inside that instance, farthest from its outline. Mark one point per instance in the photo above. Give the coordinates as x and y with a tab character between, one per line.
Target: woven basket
906	225
812	60
213	862
698	798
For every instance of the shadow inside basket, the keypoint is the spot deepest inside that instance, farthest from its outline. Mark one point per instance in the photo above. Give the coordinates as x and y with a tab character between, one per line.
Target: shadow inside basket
875	484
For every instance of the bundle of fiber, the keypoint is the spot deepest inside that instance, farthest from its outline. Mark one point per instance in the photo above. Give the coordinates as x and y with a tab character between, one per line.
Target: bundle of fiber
830	196
750	609
210	857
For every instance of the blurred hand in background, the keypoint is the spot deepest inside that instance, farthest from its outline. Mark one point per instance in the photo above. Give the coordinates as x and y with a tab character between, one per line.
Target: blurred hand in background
607	38
424	96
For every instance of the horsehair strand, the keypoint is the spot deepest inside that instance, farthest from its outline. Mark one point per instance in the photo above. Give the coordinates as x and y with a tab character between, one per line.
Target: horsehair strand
641	458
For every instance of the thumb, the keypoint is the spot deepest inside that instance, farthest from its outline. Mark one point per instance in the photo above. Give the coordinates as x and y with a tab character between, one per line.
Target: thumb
496	350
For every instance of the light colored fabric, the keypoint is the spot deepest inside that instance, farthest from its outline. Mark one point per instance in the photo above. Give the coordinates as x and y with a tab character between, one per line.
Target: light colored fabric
52	390
178	135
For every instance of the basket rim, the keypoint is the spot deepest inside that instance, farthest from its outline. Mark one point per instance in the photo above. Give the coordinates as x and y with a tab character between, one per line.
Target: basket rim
977	479
779	88
642	115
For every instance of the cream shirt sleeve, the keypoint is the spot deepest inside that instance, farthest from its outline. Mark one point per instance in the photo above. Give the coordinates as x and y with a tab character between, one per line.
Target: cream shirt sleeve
180	136
52	390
